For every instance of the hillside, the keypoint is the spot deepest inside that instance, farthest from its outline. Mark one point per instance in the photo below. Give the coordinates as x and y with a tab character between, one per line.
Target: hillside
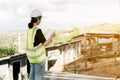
101	28
12	37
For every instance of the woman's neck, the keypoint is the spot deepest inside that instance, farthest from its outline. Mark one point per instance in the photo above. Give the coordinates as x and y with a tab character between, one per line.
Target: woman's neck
34	24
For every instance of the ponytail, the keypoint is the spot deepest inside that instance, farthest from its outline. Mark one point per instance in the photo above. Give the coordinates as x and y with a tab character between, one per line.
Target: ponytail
33	20
30	25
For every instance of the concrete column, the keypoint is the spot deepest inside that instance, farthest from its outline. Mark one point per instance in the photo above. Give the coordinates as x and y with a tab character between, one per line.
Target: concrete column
10	72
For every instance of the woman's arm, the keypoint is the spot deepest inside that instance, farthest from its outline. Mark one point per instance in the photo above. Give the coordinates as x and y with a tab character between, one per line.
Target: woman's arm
49	40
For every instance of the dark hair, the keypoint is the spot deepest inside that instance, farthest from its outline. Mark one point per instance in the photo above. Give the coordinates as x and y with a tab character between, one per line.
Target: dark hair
39	17
33	20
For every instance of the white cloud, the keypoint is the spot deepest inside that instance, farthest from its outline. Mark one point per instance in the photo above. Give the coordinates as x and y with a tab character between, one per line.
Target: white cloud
60	12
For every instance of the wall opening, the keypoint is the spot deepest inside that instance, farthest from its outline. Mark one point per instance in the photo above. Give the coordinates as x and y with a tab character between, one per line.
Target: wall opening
16	70
28	67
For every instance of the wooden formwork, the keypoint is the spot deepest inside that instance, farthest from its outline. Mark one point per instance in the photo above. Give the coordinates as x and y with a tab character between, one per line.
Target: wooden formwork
98	50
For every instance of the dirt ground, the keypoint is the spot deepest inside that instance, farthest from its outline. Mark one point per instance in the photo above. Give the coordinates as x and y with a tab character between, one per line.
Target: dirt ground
104	67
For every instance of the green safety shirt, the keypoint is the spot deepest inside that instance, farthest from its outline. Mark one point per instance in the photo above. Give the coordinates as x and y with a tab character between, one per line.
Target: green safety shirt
35	54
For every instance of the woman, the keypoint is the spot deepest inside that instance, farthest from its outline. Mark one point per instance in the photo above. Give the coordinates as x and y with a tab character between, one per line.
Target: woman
36	43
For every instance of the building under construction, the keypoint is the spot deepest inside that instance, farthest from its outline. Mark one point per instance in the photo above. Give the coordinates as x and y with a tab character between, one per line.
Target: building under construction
88	57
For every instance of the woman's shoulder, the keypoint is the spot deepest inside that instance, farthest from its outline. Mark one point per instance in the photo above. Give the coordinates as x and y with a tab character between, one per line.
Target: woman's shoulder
39	30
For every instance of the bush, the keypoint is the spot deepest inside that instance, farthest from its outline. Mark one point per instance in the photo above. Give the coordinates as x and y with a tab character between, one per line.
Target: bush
7	51
2	77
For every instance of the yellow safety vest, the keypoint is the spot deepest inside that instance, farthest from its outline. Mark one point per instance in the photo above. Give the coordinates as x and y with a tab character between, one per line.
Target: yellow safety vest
34	54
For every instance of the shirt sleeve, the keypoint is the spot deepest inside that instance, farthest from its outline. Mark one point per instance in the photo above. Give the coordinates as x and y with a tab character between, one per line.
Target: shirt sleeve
39	37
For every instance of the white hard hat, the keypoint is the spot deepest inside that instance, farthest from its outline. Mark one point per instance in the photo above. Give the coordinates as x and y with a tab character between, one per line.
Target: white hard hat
36	13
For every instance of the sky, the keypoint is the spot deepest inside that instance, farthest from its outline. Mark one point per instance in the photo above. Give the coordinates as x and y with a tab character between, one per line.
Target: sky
58	14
